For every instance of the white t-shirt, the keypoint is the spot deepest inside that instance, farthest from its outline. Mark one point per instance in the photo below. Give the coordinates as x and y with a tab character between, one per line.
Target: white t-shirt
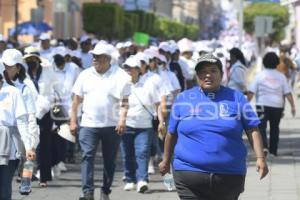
172	83
142	93
11	105
158	83
101	95
64	81
47	53
270	86
27	97
190	63
86	59
184	65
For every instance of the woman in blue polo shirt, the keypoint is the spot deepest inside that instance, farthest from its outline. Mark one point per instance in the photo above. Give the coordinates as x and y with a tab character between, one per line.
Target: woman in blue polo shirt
205	136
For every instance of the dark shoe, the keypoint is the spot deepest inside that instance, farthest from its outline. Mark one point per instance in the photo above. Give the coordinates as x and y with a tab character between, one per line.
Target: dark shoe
87	197
18	179
43	184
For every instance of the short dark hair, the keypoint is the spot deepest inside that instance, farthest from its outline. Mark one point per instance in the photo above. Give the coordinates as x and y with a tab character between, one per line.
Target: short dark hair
270	60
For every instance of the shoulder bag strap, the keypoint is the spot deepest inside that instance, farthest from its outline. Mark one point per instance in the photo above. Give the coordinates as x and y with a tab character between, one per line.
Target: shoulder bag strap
142	104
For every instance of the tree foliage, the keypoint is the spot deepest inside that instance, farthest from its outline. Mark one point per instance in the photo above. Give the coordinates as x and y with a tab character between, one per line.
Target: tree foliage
279	13
112	22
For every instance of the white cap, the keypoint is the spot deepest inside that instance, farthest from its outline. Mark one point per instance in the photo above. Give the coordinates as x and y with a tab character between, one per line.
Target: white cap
120	45
141	56
94	41
151	53
45	36
173	48
127	44
132	61
84	38
101	48
11	57
31	51
185	45
165	46
63	51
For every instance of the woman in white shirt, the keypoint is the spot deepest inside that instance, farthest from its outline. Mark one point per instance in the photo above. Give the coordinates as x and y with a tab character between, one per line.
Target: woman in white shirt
238	70
136	141
42	75
14	134
270	88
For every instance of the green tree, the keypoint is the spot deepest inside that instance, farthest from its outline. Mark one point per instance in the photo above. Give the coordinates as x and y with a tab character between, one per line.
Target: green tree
279	13
103	19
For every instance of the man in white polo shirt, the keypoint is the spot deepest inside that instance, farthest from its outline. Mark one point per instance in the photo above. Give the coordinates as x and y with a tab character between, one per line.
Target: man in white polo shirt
103	89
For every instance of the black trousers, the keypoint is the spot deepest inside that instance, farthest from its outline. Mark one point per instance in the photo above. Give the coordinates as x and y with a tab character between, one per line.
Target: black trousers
208	186
44	149
273	116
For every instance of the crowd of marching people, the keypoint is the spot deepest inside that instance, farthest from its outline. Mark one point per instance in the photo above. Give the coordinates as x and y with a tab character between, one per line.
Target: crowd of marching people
121	95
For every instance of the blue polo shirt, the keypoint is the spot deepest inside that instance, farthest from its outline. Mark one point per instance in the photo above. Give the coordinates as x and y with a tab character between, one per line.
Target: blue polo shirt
209	128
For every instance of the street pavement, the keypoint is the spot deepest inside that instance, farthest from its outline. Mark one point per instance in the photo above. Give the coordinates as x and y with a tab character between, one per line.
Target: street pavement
282	183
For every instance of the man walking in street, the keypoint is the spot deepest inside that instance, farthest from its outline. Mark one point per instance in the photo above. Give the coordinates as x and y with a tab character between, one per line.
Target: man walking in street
103	90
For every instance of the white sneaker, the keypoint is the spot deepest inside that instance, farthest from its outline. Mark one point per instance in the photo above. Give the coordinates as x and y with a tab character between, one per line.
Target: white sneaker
62	166
104	196
56	171
142	186
129	186
151	169
38	174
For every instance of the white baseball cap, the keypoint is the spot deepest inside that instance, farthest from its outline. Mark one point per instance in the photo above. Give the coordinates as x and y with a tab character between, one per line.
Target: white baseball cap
141	56
165	46
11	57
84	38
45	36
132	62
185	45
101	48
63	51
120	45
128	44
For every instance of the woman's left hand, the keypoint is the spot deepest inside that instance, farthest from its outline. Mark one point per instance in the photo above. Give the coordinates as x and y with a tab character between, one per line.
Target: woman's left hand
262	167
120	128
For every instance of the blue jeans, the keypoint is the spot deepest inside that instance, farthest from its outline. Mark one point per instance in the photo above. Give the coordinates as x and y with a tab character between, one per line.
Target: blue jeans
135	148
6	177
88	140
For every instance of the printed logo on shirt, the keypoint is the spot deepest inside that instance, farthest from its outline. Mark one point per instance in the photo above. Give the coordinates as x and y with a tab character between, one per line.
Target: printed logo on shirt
224	110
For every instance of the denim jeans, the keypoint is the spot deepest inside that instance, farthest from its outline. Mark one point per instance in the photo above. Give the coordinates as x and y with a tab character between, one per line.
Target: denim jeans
135	148
89	140
6	177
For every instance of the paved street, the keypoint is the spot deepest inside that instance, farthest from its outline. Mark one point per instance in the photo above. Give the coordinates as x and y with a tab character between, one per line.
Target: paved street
283	182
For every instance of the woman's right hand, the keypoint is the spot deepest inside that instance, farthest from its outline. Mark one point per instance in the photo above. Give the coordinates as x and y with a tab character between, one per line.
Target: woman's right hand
73	127
164	167
30	155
